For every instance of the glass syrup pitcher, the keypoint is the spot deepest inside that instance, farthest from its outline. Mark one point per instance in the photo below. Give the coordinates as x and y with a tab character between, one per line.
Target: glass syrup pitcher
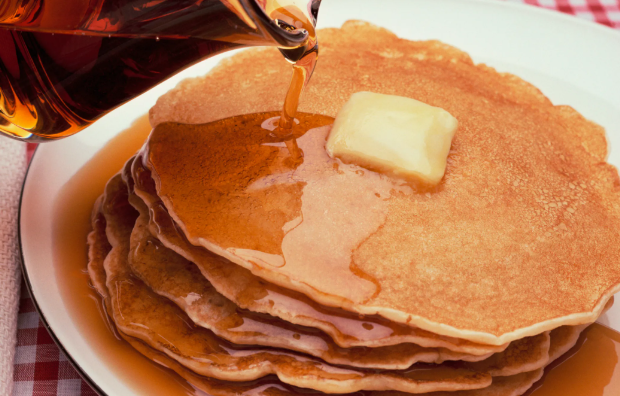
65	63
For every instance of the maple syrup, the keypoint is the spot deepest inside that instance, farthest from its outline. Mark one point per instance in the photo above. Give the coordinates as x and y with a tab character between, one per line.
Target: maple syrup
60	71
589	369
302	71
268	208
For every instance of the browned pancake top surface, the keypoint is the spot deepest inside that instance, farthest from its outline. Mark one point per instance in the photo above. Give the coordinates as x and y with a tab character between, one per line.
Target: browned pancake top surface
520	237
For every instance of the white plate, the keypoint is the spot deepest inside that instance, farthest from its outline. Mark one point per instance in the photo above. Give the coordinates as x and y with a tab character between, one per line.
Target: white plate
572	61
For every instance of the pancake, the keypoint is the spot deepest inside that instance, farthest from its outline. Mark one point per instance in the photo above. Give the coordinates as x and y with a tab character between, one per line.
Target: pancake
501	250
562	339
178	279
251	292
140	313
524	355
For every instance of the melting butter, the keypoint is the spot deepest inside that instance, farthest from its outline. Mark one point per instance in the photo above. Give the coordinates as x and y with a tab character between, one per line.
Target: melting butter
393	134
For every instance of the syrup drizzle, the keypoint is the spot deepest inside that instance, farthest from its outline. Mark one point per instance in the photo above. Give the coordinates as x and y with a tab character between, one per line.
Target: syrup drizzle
268	208
303	68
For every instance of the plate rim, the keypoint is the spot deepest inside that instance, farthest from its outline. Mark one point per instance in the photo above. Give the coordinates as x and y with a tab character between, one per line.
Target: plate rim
26	281
546	12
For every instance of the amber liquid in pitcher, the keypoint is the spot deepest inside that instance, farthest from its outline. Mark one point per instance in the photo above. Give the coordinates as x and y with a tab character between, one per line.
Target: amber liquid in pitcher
65	63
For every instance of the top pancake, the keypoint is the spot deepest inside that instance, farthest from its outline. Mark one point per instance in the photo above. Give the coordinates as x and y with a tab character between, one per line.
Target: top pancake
520	237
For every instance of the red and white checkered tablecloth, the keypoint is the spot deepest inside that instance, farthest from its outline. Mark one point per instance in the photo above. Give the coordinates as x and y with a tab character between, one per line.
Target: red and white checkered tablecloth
605	12
40	367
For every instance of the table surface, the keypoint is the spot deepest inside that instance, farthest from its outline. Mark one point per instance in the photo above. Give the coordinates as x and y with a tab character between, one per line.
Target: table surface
41	369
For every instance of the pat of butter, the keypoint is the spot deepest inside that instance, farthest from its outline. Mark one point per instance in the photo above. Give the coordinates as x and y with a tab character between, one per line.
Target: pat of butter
393	134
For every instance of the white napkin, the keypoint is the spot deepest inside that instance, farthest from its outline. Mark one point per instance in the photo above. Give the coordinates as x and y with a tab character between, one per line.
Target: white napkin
12	169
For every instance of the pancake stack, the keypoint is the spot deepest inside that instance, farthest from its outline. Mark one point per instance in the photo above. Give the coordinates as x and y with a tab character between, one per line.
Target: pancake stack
246	271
